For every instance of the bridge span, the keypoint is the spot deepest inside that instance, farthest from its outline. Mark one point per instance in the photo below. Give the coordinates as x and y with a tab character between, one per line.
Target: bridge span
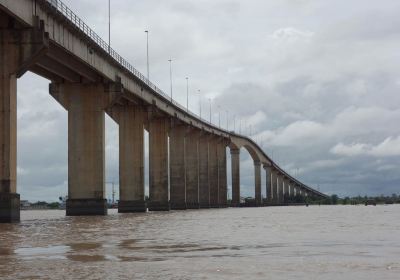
90	79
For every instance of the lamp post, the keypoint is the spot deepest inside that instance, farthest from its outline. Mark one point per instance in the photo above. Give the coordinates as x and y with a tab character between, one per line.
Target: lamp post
170	74
109	26
147	51
227	120
219	116
187	94
198	91
209	100
234	123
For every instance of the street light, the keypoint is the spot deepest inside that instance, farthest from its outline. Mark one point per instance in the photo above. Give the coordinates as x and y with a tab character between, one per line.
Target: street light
170	74
209	100
219	116
109	26
227	122
187	94
234	123
198	91
147	50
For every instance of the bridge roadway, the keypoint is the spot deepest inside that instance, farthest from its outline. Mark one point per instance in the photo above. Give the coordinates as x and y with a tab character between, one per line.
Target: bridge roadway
88	78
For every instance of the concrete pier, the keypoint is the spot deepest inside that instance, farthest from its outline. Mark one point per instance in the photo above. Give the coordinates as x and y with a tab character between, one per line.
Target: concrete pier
274	183
268	184
20	47
158	164
177	167
257	183
85	104
235	166
222	176
281	186
131	120
9	199
204	187
213	171
192	168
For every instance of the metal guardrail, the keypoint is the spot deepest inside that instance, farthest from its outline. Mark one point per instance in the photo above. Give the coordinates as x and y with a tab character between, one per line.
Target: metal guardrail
61	8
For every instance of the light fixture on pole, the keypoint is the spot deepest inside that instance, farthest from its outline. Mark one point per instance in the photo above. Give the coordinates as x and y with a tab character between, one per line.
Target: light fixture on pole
219	116
198	91
187	94
170	74
234	123
109	26
209	100
147	51
227	120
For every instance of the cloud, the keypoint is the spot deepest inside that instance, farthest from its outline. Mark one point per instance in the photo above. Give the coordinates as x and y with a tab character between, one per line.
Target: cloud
388	148
320	89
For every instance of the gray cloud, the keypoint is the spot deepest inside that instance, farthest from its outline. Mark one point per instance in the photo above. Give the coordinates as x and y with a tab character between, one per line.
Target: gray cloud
317	80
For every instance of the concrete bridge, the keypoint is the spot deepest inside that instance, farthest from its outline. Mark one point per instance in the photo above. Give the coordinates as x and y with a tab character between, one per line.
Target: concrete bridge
89	79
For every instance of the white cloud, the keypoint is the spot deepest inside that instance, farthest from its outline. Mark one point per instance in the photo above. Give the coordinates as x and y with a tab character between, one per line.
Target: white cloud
354	149
388	148
291	34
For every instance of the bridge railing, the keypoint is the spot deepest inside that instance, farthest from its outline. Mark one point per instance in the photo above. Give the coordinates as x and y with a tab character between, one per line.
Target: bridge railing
61	8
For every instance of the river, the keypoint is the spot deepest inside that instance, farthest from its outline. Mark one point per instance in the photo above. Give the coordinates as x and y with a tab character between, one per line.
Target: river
316	242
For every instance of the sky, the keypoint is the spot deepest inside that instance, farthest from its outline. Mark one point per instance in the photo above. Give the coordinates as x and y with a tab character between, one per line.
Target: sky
315	83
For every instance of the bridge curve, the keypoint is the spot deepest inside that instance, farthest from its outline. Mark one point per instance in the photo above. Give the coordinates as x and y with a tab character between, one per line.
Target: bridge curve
89	78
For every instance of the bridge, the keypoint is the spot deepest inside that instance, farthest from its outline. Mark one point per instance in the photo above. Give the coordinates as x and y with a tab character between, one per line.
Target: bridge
90	79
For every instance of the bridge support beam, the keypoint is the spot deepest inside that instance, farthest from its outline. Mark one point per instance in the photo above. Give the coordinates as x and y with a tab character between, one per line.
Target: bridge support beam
177	167
292	189
158	164
213	171
192	169
281	185
131	120
85	104
274	183
235	166
204	186
257	183
19	49
222	179
268	184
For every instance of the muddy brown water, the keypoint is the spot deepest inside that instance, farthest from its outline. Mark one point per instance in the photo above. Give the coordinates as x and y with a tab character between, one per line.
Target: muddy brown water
317	242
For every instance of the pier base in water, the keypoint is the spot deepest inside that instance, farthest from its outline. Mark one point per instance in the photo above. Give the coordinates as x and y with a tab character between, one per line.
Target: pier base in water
132	206
86	207
9	208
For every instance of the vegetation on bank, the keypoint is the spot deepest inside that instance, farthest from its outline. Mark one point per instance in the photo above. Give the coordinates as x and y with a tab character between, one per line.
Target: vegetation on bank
335	200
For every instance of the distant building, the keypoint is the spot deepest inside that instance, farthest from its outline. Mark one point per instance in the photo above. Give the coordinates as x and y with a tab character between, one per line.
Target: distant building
25	204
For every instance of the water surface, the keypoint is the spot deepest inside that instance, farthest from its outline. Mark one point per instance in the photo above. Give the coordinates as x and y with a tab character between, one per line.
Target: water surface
317	242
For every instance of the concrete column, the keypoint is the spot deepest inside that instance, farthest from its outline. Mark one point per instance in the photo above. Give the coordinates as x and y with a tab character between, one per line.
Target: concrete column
177	167
235	166
291	189
19	48
9	199
158	164
286	189
268	184
192	169
222	176
131	158
257	182
213	171
281	185
85	104
274	182
204	187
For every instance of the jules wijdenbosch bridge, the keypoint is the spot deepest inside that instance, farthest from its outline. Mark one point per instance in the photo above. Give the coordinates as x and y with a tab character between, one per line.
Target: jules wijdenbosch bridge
89	79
